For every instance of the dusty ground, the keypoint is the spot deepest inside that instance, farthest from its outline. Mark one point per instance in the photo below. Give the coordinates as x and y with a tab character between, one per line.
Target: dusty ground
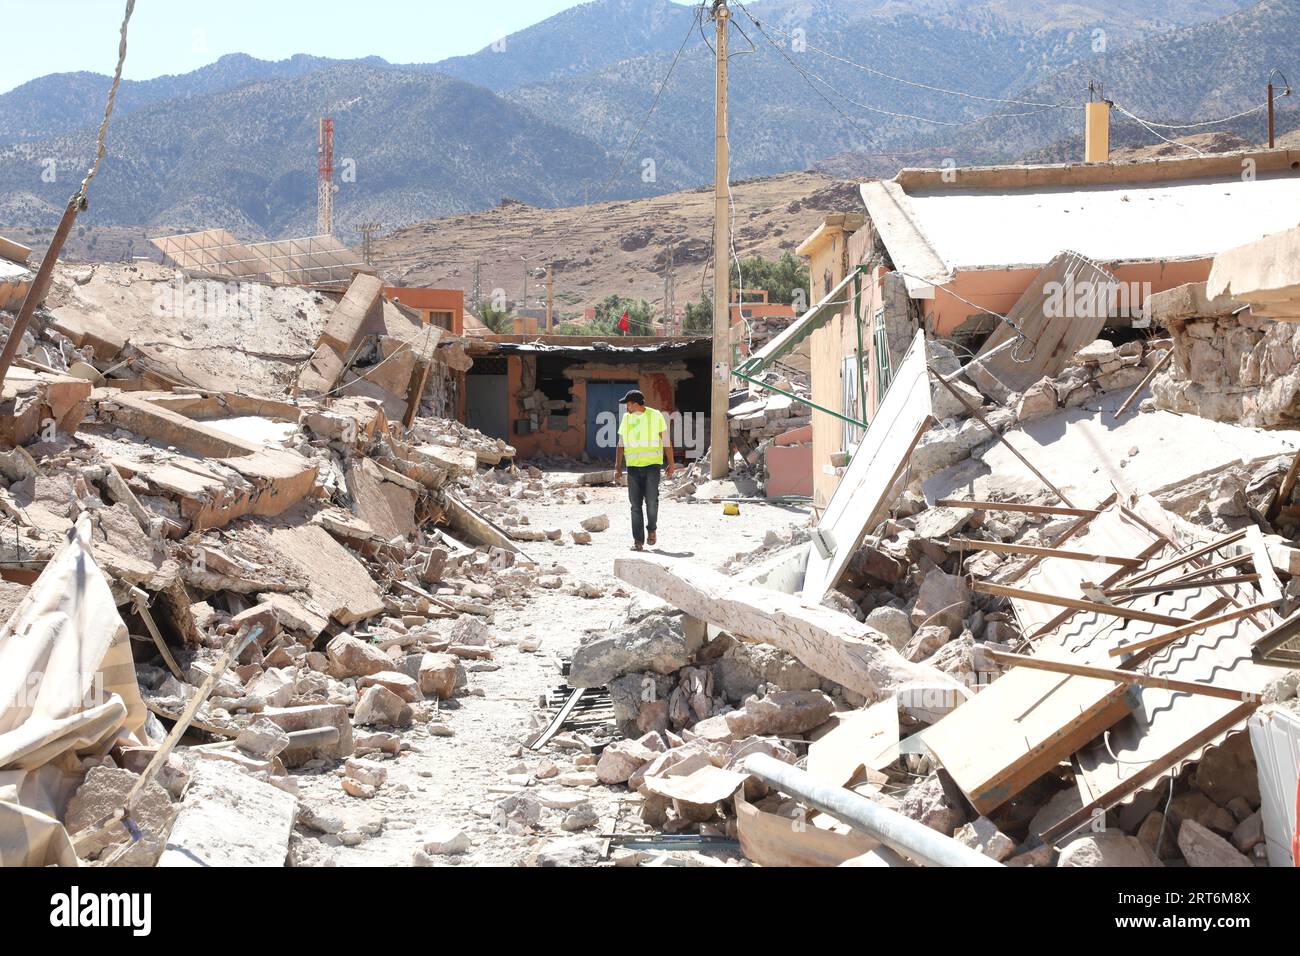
456	780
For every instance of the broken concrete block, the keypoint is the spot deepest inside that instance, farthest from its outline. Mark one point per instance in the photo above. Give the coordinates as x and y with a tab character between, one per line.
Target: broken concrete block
313	717
352	657
927	639
104	791
655	643
944	599
893	623
366	772
1249	833
1109	848
621	759
983	835
262	738
379	706
595	523
262	615
402	685
1202	847
440	675
229	818
447	841
780	713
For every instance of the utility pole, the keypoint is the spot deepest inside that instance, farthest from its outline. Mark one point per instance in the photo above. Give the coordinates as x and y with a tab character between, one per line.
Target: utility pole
719	433
478	287
550	297
1286	91
368	230
669	291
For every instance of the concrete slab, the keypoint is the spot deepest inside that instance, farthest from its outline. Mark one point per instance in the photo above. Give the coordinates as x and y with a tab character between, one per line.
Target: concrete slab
1081	450
230	819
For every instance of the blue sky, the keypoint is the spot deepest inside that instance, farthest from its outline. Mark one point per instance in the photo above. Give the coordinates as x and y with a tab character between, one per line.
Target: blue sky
176	36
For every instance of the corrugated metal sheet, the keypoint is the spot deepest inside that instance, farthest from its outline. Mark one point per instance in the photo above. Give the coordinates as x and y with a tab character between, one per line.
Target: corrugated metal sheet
1275	737
1162	720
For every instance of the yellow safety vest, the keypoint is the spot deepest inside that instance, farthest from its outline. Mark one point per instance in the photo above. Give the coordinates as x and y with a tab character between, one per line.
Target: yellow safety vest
642	436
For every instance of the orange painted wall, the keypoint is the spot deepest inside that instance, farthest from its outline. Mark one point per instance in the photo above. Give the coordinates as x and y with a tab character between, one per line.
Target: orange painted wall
426	300
998	289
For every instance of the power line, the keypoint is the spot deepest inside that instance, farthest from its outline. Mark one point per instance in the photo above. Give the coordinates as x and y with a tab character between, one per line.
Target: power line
1213	122
645	120
913	83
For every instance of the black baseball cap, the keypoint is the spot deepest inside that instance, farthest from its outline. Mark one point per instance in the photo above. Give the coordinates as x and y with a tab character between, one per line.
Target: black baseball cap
633	396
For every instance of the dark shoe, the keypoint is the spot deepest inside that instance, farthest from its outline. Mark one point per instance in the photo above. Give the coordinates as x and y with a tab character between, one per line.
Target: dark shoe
651	539
636	546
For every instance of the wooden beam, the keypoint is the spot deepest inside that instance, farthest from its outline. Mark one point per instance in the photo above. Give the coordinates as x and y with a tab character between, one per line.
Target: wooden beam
1151	771
1185	558
1077	604
1016	506
1270	587
1199	625
1288	486
1002	547
976	414
1155	369
1122	676
1182	584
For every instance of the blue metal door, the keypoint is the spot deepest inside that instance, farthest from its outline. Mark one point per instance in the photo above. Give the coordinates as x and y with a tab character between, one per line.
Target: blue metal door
603	416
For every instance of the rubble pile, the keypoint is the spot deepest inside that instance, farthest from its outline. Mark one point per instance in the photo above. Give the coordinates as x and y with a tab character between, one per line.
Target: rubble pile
758	422
314	576
694	698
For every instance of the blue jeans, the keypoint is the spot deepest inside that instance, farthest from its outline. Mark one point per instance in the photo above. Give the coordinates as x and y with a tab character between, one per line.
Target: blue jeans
643	488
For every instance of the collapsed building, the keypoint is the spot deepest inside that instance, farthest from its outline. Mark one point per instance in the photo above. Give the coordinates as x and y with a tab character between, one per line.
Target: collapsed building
1046	612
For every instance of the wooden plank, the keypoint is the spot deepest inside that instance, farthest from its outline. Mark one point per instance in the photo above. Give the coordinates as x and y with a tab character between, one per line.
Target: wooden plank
1017	506
1110	673
1019	727
864	738
1184	558
771	840
832	644
1182	584
1077	604
1055	334
880	459
1141	777
1196	626
1269	585
1002	547
1001	438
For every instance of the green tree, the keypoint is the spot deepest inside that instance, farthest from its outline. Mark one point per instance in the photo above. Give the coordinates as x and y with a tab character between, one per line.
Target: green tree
610	312
779	279
498	320
698	317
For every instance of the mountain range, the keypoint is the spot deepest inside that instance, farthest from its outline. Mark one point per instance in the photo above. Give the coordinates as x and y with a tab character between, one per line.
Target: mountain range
559	113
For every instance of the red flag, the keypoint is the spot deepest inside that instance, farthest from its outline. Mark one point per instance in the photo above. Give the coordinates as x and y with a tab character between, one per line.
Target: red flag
624	324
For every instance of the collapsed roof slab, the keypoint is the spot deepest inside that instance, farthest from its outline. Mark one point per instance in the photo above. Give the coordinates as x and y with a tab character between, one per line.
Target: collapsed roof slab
31	403
273	479
1083	450
1265	273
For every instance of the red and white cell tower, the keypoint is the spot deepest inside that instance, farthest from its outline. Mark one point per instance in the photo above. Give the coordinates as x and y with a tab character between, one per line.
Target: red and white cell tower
325	178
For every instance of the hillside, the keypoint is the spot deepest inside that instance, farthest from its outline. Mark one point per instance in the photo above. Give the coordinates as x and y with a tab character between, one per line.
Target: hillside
418	143
547	118
612	247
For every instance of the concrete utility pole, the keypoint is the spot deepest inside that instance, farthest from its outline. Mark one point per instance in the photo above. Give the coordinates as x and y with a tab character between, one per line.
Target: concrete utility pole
325	177
550	297
719	433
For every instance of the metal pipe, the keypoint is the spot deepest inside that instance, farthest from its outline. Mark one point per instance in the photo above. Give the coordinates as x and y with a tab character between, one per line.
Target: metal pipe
798	398
903	834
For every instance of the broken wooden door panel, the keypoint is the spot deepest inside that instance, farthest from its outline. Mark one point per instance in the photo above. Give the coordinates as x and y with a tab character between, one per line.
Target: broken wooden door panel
878	461
1019	728
1064	309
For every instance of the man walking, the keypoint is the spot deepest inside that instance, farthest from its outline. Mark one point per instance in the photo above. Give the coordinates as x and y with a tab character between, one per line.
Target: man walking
642	440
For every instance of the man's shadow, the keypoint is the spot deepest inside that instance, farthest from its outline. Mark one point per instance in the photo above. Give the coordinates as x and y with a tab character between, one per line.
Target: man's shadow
671	554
